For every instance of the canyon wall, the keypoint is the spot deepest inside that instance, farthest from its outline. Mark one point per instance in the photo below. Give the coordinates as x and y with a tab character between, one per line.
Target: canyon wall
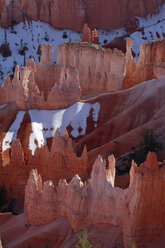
28	90
99	202
150	65
49	86
99	69
62	14
103	70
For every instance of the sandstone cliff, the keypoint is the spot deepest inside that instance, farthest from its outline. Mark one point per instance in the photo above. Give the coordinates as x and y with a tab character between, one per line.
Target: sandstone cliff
96	70
49	86
98	202
59	162
150	65
73	14
103	70
99	69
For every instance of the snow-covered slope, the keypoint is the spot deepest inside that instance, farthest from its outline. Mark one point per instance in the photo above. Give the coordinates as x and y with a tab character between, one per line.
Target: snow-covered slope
30	35
154	29
45	123
11	135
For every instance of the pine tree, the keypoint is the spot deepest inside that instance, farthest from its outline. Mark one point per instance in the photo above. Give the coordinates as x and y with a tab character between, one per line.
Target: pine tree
83	241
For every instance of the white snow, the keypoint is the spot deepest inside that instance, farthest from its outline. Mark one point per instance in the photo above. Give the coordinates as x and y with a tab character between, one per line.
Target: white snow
46	122
110	35
37	33
11	135
3	105
31	35
154	29
152	19
154	26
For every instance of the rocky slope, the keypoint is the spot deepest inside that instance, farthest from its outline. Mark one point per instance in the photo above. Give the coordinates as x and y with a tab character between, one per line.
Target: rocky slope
73	14
17	232
123	117
99	202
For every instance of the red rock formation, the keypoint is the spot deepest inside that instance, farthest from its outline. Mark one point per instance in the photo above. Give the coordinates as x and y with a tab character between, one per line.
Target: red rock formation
2	3
138	209
123	117
59	14
144	220
73	14
95	36
138	108
86	36
150	65
58	163
118	43
99	15
99	69
90	36
49	86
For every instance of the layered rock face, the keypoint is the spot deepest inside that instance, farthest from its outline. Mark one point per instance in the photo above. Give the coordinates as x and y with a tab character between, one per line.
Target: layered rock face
144	219
16	232
60	14
150	65
58	162
49	86
2	4
102	14
73	14
123	118
99	69
99	202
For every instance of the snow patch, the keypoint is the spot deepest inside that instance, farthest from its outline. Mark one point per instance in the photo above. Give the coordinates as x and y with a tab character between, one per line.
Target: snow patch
46	122
3	105
11	135
154	29
31	35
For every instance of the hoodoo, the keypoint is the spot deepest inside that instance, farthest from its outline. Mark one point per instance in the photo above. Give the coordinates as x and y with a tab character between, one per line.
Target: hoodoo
82	123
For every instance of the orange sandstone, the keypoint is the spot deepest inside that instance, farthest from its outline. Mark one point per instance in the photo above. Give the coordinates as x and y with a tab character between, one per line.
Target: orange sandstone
150	65
138	209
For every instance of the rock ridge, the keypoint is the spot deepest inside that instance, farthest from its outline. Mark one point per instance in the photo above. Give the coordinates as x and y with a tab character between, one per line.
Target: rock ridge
47	86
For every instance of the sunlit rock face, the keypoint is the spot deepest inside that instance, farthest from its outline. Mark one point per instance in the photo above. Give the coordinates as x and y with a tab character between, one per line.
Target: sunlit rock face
99	69
49	86
150	65
138	209
54	164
